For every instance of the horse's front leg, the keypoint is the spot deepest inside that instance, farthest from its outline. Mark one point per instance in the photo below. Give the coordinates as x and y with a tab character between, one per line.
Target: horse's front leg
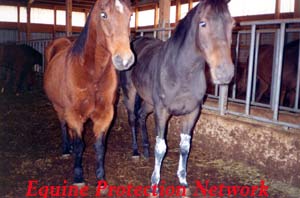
161	117
102	120
75	123
189	122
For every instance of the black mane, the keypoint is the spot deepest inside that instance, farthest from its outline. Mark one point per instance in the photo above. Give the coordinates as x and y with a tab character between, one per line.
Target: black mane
184	24
78	46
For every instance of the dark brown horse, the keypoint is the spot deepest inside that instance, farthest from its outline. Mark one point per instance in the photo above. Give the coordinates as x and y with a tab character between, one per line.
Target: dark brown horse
18	59
289	72
168	77
81	81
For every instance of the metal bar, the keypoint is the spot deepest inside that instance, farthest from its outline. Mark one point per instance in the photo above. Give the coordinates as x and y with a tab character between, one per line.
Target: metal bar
250	69
270	22
266	120
236	61
296	105
274	68
155	34
255	66
223	99
216	90
278	80
257	118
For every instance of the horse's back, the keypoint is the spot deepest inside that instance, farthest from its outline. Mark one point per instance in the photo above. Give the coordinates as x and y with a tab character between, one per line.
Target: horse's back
54	76
143	72
55	47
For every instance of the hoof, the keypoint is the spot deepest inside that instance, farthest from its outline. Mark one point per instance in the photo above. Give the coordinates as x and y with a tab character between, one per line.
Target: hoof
66	155
146	154
79	185
186	194
151	195
104	191
2	90
135	155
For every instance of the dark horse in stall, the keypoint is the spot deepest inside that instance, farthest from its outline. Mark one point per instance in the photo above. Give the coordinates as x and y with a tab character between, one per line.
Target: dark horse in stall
168	77
81	80
19	59
289	72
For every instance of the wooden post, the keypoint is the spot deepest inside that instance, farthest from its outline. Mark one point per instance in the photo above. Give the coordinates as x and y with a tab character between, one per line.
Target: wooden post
68	18
55	21
277	9
164	18
136	18
297	9
190	4
156	16
19	19
178	10
28	33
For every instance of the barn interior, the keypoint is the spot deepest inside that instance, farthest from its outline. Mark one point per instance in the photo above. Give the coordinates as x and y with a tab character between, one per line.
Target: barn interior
248	131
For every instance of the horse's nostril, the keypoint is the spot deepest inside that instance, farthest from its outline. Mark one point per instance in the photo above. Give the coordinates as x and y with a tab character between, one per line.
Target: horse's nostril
118	60
224	74
123	63
130	61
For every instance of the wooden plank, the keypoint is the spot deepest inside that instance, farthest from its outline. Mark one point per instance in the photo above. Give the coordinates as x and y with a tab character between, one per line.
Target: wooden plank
69	17
28	32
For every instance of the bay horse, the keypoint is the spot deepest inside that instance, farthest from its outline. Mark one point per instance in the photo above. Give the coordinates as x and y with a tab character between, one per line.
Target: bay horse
81	81
19	59
168	77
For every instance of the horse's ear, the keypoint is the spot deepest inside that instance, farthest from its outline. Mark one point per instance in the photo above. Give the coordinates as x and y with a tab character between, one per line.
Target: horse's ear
227	1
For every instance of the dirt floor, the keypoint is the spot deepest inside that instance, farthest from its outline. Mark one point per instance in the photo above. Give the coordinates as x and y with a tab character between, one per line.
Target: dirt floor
30	149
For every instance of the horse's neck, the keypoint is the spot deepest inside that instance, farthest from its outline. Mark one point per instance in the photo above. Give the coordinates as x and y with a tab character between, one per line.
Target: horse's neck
95	56
184	53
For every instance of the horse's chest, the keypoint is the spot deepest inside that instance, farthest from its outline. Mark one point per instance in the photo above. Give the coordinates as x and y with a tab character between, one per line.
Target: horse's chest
181	103
183	96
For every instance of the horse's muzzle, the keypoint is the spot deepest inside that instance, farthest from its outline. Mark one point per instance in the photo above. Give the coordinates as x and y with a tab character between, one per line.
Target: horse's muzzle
223	74
123	63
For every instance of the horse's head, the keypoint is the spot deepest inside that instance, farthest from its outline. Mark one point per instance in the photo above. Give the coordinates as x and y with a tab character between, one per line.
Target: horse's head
214	29
113	17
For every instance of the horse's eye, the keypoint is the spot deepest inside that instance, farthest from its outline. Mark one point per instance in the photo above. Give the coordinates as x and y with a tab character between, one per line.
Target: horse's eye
202	24
103	15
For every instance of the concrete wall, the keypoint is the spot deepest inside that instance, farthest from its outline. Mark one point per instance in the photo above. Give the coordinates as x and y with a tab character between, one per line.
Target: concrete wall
271	149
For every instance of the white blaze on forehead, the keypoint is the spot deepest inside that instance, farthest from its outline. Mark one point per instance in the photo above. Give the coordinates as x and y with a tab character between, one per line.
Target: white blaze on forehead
119	6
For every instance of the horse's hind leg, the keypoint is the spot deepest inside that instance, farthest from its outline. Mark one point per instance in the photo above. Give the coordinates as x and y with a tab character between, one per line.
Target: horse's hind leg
66	142
131	101
185	140
143	112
